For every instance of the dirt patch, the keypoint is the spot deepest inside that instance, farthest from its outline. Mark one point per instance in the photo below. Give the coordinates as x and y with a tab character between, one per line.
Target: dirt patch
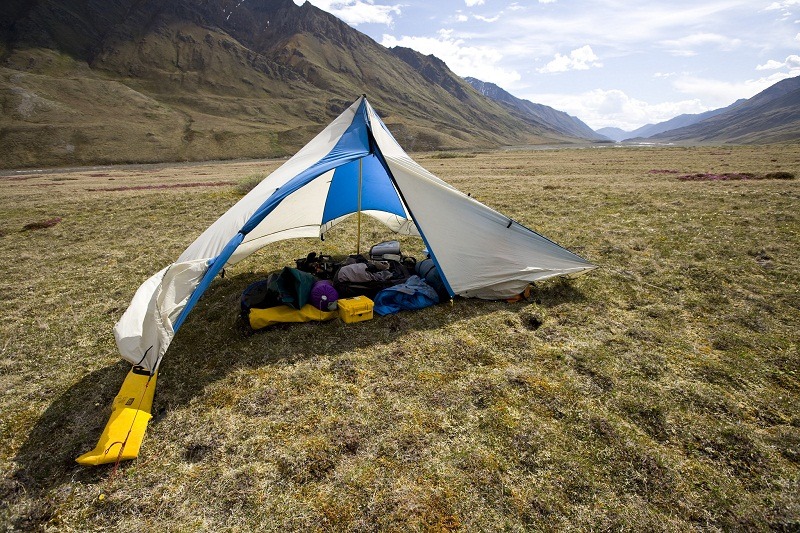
729	176
41	225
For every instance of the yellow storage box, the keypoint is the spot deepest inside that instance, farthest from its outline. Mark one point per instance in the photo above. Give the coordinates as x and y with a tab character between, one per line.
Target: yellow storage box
355	309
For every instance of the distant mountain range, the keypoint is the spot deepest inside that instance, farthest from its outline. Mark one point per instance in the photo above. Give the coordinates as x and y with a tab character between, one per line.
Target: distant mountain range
649	130
771	116
153	80
114	81
564	123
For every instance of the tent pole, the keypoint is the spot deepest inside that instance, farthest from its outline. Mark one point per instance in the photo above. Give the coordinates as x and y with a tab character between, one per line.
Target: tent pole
360	176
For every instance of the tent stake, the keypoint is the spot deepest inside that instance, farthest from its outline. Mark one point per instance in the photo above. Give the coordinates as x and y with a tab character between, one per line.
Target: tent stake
360	169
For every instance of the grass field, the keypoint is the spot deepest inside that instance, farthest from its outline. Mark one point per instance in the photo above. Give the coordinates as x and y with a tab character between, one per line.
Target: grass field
659	392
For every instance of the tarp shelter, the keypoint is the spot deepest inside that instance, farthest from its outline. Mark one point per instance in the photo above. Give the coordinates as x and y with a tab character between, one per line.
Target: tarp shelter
353	165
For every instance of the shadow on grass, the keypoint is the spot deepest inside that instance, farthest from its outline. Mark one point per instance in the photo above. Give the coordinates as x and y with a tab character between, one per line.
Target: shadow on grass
70	426
556	292
211	345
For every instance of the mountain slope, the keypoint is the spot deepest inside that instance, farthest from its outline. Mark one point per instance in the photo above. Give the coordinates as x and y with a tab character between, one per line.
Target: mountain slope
558	120
771	116
151	80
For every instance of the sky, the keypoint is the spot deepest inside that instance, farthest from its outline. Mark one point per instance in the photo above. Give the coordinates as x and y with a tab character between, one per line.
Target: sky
619	63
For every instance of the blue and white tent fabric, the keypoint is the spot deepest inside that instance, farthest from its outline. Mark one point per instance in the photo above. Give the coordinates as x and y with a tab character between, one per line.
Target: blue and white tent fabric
353	163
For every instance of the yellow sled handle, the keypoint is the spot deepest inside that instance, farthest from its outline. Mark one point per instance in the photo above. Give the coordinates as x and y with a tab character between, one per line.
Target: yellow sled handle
130	412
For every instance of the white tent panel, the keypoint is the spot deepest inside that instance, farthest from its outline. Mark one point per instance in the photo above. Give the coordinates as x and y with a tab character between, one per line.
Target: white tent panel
481	252
146	328
213	240
298	215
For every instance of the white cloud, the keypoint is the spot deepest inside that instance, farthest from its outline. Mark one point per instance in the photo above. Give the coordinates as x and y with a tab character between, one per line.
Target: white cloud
355	12
782	5
482	62
487	19
683	53
718	93
627	27
792	63
770	65
785	8
462	18
581	58
472	3
601	108
547	1
686	46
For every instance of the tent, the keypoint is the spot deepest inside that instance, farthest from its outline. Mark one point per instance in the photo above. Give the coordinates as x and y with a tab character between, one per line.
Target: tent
352	165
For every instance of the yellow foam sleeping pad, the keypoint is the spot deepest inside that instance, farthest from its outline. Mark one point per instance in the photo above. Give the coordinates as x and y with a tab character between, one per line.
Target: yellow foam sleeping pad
261	318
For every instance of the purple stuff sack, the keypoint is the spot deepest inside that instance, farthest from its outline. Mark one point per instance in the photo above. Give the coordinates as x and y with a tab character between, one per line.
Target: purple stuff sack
323	295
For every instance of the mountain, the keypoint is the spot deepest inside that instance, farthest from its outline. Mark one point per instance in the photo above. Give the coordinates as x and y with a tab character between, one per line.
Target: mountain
109	81
649	130
771	116
560	121
615	134
679	122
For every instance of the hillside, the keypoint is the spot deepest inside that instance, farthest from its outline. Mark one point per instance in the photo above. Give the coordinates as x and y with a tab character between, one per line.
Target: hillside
137	81
771	116
538	113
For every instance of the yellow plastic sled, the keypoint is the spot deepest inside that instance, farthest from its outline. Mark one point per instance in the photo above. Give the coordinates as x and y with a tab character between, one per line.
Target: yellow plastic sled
130	412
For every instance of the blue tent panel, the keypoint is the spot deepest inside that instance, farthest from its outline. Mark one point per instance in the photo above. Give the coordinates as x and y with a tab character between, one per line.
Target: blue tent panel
377	191
353	144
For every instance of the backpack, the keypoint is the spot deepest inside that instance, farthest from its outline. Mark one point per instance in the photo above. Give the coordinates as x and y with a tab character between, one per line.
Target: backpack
258	295
289	287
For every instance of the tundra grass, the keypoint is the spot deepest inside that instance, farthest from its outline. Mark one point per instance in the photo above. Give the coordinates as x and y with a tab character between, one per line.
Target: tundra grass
659	392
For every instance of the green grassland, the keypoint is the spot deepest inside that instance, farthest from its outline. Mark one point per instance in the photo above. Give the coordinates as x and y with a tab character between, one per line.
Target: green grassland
659	392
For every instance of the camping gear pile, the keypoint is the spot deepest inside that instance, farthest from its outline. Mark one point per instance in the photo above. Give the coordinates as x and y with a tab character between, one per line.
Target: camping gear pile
353	167
314	289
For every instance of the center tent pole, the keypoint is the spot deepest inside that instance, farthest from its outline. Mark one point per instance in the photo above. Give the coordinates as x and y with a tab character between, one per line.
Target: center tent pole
360	178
